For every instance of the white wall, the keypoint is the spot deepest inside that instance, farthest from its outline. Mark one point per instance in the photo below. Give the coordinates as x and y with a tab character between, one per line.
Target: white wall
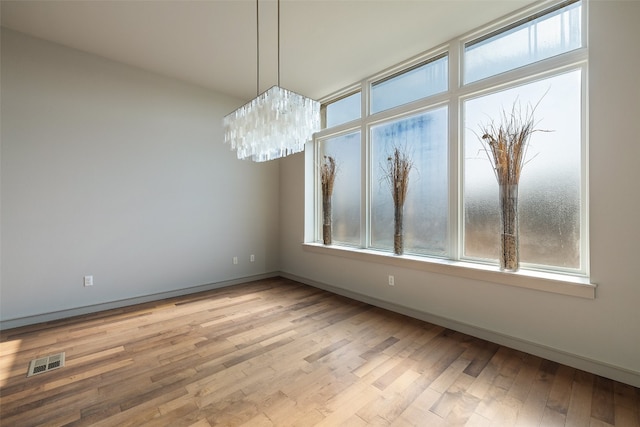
115	172
601	335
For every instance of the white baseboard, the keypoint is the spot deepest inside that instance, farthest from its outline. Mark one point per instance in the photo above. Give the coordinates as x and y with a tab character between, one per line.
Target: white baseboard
574	360
63	314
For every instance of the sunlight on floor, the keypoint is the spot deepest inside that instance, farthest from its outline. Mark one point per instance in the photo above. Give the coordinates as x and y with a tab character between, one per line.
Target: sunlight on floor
8	351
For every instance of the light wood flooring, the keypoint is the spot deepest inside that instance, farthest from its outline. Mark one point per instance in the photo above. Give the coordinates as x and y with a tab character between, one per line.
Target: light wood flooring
279	353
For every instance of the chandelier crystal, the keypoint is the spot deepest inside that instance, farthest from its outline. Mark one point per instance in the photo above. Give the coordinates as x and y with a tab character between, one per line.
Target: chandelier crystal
275	124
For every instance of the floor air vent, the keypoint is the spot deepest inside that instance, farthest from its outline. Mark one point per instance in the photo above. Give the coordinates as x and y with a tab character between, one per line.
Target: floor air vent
46	364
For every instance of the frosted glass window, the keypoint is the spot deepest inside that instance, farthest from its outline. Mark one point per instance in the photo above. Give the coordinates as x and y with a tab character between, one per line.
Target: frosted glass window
413	84
452	207
550	183
540	37
424	137
343	110
345	149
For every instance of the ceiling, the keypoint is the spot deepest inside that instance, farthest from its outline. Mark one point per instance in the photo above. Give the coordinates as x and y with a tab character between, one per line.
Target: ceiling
325	45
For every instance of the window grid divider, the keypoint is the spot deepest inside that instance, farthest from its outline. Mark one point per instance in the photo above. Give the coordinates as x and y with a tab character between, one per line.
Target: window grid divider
454	97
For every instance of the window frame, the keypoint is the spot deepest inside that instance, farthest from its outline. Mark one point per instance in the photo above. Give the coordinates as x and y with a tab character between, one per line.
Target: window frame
507	25
557	280
565	68
345	129
426	108
426	60
346	93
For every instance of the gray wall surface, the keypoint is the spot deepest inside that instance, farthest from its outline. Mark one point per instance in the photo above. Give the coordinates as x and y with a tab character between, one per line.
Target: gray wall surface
111	171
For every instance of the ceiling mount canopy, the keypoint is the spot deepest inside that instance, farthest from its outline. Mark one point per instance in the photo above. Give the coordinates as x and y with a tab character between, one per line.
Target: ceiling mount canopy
276	123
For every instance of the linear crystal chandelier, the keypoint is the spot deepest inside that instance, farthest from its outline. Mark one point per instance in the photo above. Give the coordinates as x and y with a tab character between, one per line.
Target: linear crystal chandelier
276	123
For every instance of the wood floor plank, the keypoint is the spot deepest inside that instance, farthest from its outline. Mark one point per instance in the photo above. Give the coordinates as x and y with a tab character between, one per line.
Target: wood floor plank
476	420
527	369
477	365
624	416
553	418
413	417
449	376
401	394
579	412
380	347
343	405
627	396
462	410
534	404
460	405
276	352
602	406
485	378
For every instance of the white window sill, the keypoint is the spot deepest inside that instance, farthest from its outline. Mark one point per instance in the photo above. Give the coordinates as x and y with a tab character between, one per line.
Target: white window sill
542	281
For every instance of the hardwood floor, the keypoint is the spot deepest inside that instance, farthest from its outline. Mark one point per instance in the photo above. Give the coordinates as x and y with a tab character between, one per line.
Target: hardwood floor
279	353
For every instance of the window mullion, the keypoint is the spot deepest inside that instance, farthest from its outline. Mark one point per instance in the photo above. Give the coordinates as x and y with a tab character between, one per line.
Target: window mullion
317	196
455	163
585	264
365	167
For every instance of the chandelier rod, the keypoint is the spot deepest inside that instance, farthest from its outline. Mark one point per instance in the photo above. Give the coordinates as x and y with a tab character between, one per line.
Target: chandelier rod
258	46
278	42
257	49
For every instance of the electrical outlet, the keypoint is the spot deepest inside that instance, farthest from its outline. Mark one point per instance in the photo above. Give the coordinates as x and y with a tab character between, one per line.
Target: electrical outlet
252	258
88	280
235	260
392	281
